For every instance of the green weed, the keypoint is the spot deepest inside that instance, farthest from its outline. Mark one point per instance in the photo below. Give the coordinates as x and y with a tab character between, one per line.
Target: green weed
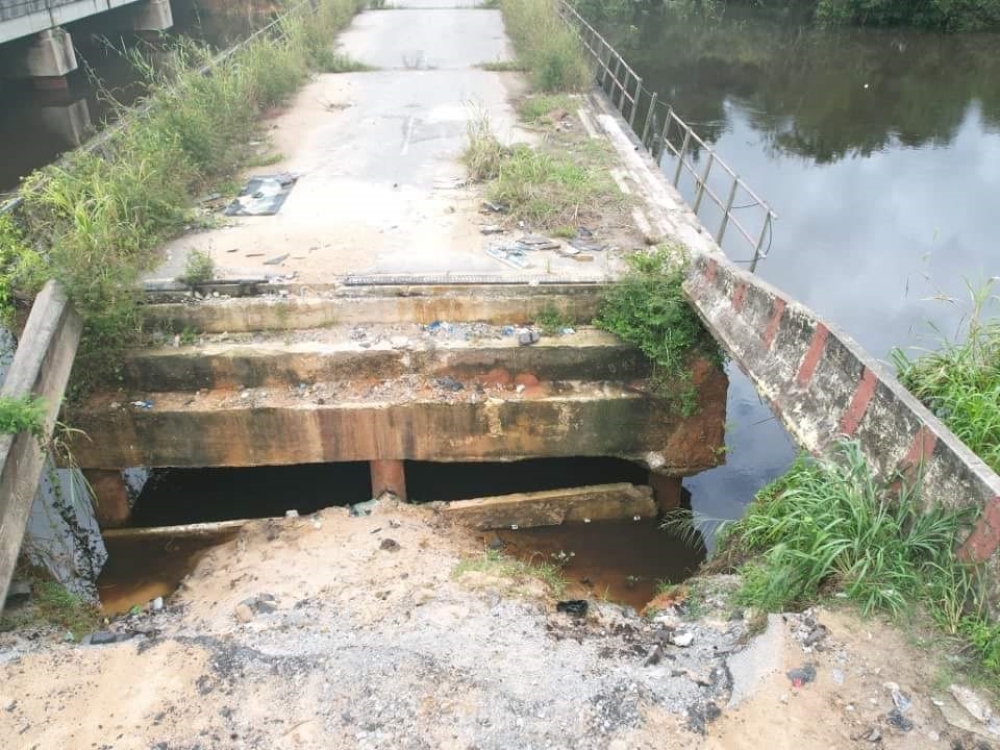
546	45
503	66
264	160
199	268
647	308
960	382
552	321
498	565
53	605
22	415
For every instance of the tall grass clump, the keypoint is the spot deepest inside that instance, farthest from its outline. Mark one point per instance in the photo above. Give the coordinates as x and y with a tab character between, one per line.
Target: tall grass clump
546	45
647	308
960	381
94	220
830	524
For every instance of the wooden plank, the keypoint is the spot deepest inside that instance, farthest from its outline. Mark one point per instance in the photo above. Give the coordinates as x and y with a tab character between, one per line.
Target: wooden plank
41	367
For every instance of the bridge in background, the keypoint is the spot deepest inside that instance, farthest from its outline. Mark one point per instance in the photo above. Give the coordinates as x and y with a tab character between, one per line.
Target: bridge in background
41	49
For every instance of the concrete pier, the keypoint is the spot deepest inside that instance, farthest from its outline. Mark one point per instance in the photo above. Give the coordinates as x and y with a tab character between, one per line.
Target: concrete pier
49	58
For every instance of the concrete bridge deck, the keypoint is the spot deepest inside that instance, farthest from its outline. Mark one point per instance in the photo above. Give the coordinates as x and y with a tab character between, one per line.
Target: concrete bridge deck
381	186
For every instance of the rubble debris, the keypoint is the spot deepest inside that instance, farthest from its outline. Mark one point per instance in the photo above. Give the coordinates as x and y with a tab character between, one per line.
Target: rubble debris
491	229
496	208
509	255
899	721
362	509
573	607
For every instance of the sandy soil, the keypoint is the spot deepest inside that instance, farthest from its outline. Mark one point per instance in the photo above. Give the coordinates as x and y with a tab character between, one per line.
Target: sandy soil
338	632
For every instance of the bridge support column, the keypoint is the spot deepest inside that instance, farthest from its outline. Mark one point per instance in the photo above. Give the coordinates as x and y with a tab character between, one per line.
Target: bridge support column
666	491
70	120
110	496
49	58
388	476
152	15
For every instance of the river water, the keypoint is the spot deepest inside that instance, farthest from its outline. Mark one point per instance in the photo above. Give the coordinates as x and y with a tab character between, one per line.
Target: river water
880	152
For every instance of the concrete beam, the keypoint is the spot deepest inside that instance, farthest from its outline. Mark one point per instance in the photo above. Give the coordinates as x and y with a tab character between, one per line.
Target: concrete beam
41	368
584	355
31	18
498	304
552	507
223	429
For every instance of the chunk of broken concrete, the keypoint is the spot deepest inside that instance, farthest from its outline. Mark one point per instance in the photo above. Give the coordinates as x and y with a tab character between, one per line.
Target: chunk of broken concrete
243	612
682	638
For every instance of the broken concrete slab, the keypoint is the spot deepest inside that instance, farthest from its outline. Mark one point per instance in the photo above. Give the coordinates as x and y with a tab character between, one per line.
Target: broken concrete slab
552	507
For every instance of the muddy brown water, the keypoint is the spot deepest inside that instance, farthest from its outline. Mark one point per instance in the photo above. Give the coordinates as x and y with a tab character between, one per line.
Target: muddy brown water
139	570
618	561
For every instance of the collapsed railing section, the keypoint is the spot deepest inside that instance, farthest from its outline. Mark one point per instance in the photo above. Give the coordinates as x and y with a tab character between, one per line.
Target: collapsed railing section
675	141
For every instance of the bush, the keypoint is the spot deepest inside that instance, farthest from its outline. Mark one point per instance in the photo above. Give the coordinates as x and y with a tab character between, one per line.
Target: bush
546	45
647	308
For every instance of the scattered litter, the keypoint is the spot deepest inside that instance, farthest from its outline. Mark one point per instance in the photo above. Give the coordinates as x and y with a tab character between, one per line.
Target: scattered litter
450	183
439	325
567	331
803	675
291	514
449	383
682	639
253	255
584	232
527	338
157	604
838	676
233	250
142	404
389	545
574	607
900	700
497	208
699	716
491	229
507	331
262	196
509	255
277	260
874	736
536	242
899	721
362	509
587	247
972	702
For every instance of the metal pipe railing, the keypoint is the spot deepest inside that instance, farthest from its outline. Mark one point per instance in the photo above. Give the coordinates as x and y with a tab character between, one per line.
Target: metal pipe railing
628	104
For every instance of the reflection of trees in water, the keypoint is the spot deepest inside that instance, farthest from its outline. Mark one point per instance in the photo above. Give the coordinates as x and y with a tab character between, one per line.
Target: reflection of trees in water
822	95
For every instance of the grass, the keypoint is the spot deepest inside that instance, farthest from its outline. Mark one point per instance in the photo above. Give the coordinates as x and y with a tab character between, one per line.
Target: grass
960	381
19	415
538	106
497	565
51	604
263	160
552	321
647	308
484	155
503	66
546	45
829	527
95	221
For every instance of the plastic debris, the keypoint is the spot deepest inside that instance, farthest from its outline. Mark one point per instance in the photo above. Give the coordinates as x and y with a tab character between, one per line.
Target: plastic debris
899	721
497	208
527	338
277	260
510	255
291	514
803	675
142	404
389	545
536	242
362	509
449	383
491	229
262	196
573	607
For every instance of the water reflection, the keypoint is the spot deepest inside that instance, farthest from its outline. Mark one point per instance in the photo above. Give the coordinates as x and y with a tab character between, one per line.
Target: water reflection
879	150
